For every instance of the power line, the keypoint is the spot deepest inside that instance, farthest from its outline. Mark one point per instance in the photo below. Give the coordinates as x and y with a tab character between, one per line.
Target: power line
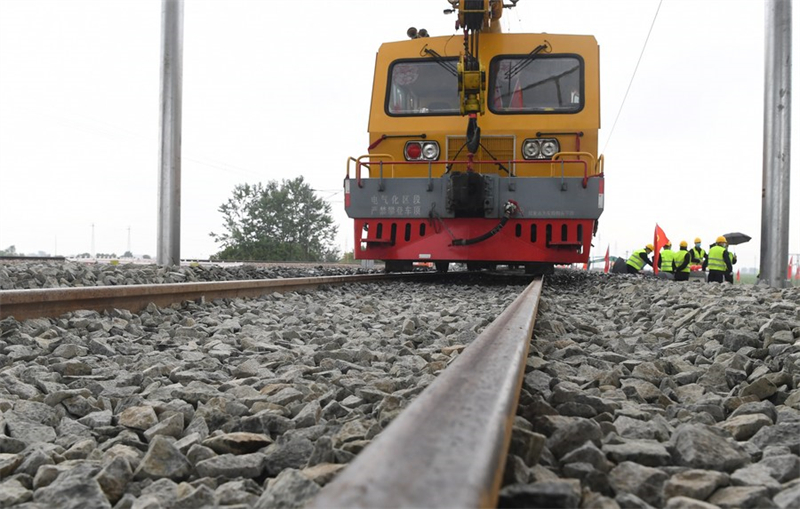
329	193
644	46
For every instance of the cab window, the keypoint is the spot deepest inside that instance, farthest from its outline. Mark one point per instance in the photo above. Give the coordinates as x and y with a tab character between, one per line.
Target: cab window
542	84
422	87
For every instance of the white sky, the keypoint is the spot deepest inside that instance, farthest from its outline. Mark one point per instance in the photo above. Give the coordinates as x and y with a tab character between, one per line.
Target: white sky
277	89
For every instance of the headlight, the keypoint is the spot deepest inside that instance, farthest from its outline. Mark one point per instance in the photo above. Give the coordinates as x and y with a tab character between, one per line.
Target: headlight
540	148
430	151
530	149
549	148
421	151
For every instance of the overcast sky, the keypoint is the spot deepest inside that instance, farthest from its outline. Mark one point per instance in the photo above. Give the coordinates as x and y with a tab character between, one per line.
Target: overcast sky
273	90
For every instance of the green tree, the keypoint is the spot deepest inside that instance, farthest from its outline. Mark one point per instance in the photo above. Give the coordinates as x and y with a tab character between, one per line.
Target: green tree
9	251
276	222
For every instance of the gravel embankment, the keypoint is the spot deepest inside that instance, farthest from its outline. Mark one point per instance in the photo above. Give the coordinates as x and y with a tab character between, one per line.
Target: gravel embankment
29	275
647	393
639	393
241	403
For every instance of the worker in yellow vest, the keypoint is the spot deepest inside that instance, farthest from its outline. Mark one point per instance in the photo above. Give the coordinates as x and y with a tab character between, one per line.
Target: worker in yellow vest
681	261
620	266
639	258
665	260
720	265
698	254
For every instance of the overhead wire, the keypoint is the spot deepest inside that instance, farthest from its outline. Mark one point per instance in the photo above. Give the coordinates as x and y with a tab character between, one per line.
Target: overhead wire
630	83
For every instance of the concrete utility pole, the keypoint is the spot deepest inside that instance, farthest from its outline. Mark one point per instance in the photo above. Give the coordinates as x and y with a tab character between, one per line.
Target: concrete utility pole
169	189
777	143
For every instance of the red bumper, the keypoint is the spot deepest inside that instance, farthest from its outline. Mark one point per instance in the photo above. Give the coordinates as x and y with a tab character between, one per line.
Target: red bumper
559	241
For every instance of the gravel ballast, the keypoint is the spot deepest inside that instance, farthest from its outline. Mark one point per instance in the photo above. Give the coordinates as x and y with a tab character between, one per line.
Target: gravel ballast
23	275
236	403
642	392
639	392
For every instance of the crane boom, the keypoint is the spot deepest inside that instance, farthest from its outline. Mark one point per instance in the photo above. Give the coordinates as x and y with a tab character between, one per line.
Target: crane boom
474	17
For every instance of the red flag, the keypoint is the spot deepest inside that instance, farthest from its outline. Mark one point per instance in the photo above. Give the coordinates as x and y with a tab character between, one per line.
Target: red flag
498	99
659	240
608	261
585	266
789	270
516	97
738	277
797	273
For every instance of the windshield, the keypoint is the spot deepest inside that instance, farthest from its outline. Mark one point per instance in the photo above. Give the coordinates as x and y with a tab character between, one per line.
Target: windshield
542	84
423	87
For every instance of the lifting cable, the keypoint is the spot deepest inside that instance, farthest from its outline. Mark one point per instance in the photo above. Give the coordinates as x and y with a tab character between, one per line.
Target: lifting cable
633	75
498	163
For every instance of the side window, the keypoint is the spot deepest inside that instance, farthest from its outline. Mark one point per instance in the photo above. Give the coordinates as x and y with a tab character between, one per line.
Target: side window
542	84
422	87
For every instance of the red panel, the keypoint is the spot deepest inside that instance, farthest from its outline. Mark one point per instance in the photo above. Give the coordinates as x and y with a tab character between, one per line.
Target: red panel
555	240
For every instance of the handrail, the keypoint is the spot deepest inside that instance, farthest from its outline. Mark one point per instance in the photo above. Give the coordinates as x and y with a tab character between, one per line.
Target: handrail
590	157
359	164
510	162
599	166
349	159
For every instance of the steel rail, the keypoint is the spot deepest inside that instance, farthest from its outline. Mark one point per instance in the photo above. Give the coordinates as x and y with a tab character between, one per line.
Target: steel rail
53	302
449	447
13	258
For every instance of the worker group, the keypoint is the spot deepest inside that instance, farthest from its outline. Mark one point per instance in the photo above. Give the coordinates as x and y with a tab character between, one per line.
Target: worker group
678	265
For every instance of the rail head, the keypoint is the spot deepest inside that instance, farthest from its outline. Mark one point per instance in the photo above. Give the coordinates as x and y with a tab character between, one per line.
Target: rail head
448	448
53	302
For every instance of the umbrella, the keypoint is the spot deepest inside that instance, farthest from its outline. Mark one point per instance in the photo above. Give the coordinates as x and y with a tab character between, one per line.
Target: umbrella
735	238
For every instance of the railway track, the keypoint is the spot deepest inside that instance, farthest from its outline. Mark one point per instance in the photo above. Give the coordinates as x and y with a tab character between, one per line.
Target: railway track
53	302
622	399
480	389
448	448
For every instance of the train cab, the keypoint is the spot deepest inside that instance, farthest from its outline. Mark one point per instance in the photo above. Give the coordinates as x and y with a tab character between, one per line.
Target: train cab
509	174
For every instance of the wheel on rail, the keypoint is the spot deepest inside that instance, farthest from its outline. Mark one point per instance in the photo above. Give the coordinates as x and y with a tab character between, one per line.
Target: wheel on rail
398	266
442	266
474	266
539	268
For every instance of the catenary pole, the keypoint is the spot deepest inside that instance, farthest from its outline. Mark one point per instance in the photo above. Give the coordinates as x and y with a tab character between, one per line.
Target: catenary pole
777	143
169	189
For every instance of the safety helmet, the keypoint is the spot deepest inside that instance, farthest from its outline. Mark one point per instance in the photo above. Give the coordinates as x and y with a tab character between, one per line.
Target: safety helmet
668	244
721	240
697	240
650	247
684	244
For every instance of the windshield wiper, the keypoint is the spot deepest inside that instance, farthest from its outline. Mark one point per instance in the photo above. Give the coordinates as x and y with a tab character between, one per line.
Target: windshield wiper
439	59
527	59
